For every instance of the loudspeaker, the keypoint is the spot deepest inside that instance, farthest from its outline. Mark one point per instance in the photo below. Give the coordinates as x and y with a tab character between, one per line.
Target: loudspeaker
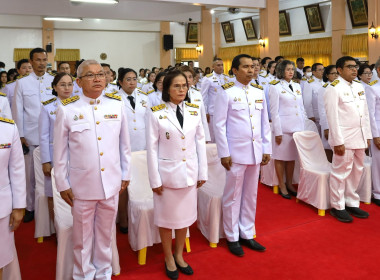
48	48
168	42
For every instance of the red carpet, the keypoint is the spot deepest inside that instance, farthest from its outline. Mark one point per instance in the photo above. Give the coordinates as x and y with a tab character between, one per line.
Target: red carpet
300	245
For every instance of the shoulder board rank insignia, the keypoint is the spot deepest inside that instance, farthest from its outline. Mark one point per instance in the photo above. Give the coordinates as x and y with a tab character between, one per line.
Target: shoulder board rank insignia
356	81
7	120
49	101
3	94
228	85
22	76
143	92
274	82
304	79
10	82
373	82
149	92
113	83
192	105
334	83
209	75
295	81
264	76
195	89
158	107
70	100
325	85
310	81
113	96
51	74
257	86
232	76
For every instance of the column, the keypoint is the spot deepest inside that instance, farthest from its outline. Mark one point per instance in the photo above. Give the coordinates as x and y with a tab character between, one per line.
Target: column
217	35
373	44
269	29
48	38
205	58
338	22
165	56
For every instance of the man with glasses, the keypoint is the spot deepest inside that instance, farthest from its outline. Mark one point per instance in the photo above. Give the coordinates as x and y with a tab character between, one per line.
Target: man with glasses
111	87
29	92
349	135
92	131
310	93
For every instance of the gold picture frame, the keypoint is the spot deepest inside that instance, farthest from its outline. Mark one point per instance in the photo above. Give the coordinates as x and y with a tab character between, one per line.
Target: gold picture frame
228	32
249	28
192	33
358	12
314	18
284	24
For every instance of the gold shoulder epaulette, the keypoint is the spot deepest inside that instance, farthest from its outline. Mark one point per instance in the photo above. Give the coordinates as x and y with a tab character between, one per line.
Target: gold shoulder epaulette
149	92
158	107
49	101
356	81
325	85
304	79
274	82
7	120
334	83
3	94
52	74
70	100
143	92
209	75
310	81
295	81
228	85
231	76
263	75
257	86
195	88
113	83
22	76
113	95
373	82
10	82
192	105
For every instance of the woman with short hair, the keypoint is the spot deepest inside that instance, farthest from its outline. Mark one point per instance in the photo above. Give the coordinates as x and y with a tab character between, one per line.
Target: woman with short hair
155	96
148	87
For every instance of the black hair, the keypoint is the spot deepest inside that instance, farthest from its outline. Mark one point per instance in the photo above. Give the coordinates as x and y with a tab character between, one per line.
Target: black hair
327	71
2	64
362	68
236	60
168	82
315	65
36	50
21	62
122	72
270	65
56	80
158	77
264	60
277	58
105	65
62	62
12	71
305	68
341	61
300	59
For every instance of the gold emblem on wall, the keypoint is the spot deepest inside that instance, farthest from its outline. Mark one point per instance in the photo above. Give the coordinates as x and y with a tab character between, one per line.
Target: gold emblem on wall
103	56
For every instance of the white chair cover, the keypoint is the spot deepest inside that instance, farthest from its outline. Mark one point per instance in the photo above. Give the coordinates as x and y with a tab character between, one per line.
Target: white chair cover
12	270
365	185
44	226
210	221
313	187
63	220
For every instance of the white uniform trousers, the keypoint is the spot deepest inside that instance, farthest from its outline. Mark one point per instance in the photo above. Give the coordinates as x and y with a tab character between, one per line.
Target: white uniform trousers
6	242
239	201
211	129
93	226
30	178
375	170
346	172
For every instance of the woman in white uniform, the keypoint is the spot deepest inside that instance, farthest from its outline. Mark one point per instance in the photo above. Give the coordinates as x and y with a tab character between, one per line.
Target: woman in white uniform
155	97
329	75
271	71
365	75
288	116
148	87
136	103
177	165
62	88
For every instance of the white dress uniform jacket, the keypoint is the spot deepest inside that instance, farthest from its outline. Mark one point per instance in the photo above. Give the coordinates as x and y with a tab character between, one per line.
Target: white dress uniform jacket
77	90
310	97
5	110
173	159
147	87
30	91
210	86
93	134
111	88
136	118
9	90
322	115
262	81
155	98
196	98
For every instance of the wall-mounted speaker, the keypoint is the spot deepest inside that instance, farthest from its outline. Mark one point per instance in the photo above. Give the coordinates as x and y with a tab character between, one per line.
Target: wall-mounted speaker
168	42
49	48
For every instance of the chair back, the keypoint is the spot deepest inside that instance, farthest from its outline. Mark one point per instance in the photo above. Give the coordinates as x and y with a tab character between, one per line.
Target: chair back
310	126
139	188
216	172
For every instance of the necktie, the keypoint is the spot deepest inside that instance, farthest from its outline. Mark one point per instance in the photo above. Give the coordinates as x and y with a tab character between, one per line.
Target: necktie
257	82
130	97
179	116
290	86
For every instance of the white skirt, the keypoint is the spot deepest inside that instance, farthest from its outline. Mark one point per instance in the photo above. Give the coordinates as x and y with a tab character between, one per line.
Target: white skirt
287	150
175	208
6	242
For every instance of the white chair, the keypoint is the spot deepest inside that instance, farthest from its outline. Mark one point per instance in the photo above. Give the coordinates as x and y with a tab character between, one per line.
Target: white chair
44	226
12	270
141	229
365	185
63	220
313	187
210	195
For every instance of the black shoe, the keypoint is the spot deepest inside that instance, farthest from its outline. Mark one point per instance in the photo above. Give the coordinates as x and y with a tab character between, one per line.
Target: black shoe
29	216
357	212
123	230
235	248
293	193
171	274
376	201
287	196
341	215
252	244
185	270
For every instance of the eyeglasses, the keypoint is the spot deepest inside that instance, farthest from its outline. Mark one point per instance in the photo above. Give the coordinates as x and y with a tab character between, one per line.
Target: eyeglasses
333	73
367	73
179	87
131	80
92	76
65	85
352	67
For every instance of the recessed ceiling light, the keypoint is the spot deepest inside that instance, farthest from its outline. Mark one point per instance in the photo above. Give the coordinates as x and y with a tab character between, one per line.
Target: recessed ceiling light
97	1
62	19
212	12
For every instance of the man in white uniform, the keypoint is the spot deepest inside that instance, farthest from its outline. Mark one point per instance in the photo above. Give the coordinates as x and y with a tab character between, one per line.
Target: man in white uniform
300	62
243	138
30	91
373	100
210	86
349	136
5	110
92	131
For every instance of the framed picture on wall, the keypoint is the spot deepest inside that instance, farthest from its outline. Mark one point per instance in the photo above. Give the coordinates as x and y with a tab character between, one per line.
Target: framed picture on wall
358	12
192	33
314	18
228	32
249	28
284	24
